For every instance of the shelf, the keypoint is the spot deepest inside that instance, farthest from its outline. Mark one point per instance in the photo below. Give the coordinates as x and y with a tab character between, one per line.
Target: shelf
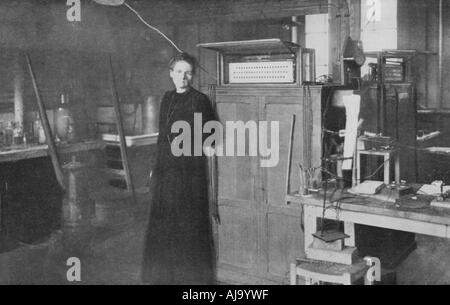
139	140
273	45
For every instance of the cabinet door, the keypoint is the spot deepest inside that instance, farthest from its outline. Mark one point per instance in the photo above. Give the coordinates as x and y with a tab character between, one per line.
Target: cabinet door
238	190
282	223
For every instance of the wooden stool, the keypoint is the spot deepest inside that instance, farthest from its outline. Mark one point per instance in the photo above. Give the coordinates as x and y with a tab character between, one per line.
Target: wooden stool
317	272
387	155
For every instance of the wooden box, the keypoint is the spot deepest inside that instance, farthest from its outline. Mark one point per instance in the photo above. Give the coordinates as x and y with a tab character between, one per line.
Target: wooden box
264	61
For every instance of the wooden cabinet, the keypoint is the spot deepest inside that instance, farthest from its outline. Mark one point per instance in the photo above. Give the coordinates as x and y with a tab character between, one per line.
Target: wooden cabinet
260	82
260	235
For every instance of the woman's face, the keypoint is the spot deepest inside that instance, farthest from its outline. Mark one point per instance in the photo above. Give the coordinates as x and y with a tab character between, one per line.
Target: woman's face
181	75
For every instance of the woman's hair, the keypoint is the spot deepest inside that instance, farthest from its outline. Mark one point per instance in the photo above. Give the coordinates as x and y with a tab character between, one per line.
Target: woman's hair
183	57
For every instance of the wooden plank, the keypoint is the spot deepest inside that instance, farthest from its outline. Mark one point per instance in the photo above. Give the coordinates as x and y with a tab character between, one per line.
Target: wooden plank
345	257
337	245
46	125
293	274
310	220
349	229
122	140
331	273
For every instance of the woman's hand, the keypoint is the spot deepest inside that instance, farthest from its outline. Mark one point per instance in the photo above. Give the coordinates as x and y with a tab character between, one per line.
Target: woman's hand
215	215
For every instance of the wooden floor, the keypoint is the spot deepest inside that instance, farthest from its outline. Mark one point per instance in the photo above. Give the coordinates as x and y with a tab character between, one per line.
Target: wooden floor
114	256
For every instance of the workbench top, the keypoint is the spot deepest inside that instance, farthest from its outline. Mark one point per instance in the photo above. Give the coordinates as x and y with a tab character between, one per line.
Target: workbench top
369	205
20	152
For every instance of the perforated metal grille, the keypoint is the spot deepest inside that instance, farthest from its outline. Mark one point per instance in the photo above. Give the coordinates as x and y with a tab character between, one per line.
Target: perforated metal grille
261	72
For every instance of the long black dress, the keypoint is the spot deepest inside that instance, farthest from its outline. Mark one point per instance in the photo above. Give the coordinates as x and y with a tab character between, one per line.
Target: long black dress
179	247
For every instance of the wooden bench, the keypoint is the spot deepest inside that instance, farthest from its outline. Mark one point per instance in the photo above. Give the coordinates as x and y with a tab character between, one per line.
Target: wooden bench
318	272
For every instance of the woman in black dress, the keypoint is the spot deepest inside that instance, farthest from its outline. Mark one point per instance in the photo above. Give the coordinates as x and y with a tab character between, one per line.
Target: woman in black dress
179	248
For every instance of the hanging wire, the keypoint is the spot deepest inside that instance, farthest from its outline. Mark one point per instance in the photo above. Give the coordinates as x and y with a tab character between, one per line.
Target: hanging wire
152	27
164	36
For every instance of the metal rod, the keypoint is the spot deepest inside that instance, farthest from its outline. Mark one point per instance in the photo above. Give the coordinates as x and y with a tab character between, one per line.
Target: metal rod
427	59
294	30
325	188
288	171
441	49
122	140
46	125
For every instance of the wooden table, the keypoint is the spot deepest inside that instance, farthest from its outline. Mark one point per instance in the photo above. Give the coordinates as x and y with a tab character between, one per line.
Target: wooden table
372	212
23	152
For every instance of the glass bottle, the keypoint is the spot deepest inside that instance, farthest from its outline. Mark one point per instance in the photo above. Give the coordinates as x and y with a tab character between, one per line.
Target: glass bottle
62	119
9	133
40	133
18	134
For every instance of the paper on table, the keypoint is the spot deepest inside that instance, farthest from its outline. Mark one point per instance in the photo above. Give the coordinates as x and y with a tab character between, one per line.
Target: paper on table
430	189
442	150
368	187
352	105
